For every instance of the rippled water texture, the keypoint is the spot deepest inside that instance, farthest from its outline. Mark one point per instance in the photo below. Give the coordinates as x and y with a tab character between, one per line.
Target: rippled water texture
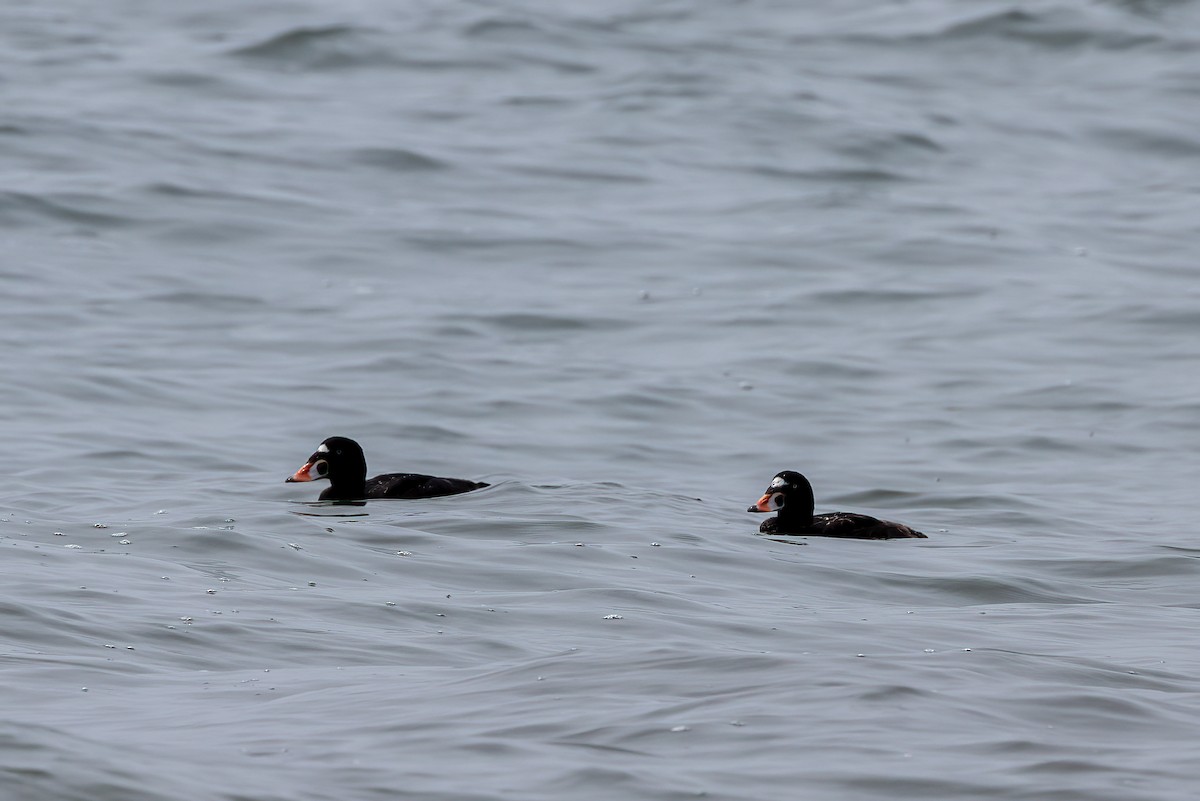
623	262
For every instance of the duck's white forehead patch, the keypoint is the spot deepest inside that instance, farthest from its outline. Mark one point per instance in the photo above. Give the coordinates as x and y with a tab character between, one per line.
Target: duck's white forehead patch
322	448
778	481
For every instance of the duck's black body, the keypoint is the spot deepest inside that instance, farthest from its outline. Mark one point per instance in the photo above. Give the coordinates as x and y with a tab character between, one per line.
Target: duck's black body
846	525
341	461
791	496
413	485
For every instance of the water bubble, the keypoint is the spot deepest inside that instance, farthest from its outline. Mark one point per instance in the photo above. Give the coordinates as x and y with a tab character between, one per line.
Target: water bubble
614	617
73	547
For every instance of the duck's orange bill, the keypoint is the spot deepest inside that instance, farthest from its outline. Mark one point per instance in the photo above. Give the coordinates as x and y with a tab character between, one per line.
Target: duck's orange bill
302	474
763	505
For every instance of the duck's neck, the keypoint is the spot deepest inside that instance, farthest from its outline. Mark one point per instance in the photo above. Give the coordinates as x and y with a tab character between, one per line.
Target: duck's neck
791	519
351	487
797	511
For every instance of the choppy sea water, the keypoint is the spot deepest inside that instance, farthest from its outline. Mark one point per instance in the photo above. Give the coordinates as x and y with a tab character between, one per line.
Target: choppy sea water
624	263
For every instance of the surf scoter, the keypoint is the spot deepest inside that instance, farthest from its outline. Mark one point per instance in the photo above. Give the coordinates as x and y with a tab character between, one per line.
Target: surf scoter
341	461
791	495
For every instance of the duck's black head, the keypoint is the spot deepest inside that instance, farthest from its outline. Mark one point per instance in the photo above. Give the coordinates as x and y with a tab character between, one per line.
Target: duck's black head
789	493
341	461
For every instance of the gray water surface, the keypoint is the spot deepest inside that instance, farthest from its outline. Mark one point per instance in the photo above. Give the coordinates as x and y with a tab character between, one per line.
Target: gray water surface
624	262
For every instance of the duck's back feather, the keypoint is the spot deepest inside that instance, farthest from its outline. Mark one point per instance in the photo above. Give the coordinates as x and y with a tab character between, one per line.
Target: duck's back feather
416	485
844	525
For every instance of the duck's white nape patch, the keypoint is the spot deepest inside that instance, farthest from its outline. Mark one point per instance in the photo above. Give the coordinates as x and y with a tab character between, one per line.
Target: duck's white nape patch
322	448
778	481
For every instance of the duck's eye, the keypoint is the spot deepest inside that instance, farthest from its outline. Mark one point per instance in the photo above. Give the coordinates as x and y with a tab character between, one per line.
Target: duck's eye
320	468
